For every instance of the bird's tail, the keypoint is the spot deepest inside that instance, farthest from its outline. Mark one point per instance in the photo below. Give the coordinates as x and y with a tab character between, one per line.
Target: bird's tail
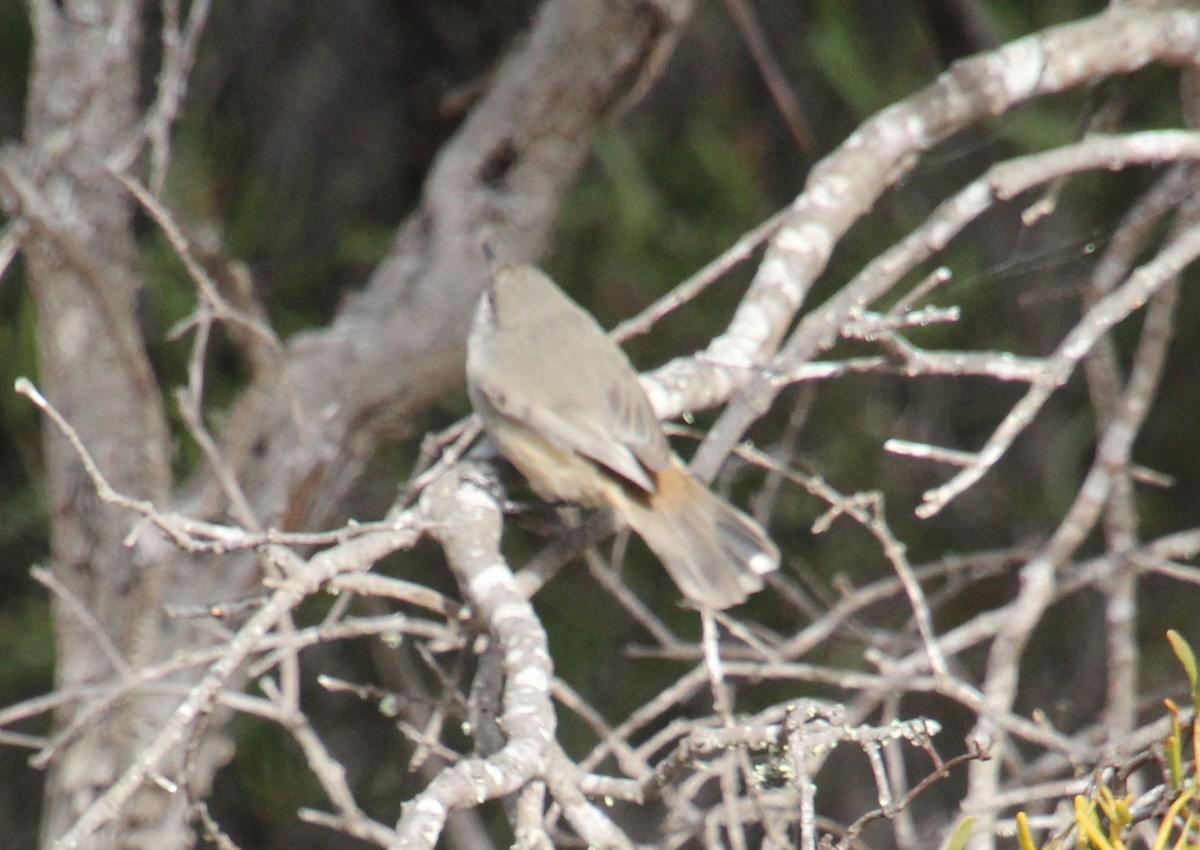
715	553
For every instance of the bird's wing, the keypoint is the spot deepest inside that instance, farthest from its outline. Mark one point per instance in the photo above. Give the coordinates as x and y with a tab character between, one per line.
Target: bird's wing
596	440
592	405
616	429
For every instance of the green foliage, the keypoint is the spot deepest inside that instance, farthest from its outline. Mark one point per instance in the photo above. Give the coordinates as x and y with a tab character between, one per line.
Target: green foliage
653	206
24	530
18	351
15	45
849	57
264	784
1103	819
26	635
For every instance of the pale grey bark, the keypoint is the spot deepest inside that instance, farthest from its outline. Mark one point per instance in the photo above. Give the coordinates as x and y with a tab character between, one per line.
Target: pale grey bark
301	433
318	408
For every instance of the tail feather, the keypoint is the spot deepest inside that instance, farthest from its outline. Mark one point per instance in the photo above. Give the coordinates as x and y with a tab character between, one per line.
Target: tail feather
715	553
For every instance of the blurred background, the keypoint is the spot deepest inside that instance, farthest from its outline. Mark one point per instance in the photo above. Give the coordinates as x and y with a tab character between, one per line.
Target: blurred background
306	136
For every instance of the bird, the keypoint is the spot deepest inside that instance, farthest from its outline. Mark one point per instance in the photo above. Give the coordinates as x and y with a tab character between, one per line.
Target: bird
564	405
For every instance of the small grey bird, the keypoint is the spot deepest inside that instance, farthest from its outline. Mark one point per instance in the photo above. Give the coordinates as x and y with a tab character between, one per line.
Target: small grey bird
564	405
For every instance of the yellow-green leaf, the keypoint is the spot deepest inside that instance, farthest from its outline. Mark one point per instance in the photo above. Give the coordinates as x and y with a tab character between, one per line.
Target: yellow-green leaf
958	838
1183	651
1024	836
